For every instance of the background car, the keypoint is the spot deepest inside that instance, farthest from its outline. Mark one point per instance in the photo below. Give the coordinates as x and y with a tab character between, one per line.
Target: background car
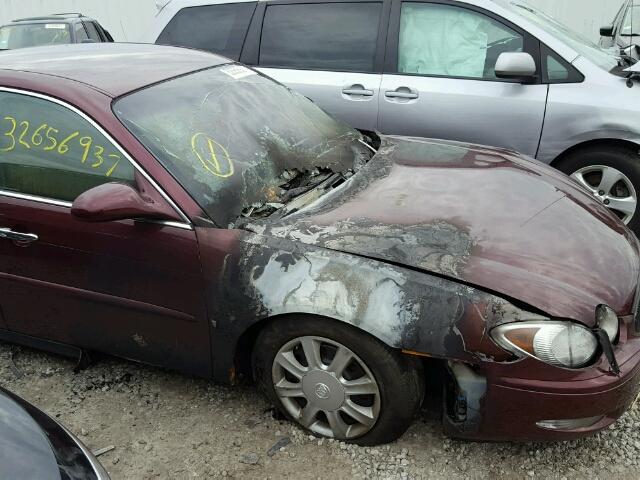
35	446
489	72
198	215
52	30
623	30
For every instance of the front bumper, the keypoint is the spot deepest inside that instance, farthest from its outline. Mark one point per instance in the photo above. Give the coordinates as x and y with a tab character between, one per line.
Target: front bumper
506	400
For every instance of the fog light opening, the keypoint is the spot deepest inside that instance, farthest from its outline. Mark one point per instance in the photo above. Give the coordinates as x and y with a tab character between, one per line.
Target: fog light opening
569	423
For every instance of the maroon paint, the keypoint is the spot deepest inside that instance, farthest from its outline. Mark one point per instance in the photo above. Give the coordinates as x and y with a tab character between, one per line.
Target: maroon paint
115	287
117	201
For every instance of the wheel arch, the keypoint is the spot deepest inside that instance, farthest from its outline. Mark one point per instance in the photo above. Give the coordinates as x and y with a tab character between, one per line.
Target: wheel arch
245	342
590	144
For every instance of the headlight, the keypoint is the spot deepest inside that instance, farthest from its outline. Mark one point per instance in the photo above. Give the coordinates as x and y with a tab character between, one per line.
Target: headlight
563	344
608	321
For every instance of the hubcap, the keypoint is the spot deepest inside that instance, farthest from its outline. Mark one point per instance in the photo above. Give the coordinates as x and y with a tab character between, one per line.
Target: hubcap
611	187
326	387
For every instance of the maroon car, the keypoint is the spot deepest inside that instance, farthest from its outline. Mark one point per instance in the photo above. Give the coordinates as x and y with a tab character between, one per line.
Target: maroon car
170	206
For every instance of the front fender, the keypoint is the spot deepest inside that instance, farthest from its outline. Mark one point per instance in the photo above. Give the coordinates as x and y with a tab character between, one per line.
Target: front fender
266	277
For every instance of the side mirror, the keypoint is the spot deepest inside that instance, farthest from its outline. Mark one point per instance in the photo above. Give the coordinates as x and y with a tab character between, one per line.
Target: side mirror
118	201
607	31
516	65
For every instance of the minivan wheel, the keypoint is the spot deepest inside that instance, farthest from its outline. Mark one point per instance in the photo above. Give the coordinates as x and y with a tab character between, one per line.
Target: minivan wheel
612	175
337	382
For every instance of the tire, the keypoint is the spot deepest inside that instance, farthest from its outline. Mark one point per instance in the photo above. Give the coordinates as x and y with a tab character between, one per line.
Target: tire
623	159
398	379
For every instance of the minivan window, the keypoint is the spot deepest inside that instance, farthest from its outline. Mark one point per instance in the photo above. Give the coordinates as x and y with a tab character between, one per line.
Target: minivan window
445	40
219	29
327	36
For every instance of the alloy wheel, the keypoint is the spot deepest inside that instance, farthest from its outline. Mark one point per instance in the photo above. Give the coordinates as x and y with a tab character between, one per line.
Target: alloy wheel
611	187
326	387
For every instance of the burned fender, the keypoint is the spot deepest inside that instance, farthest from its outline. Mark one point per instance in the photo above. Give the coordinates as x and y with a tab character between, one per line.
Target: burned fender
261	277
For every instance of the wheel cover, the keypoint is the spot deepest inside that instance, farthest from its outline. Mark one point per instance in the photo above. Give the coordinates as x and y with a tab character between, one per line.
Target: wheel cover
326	387
611	187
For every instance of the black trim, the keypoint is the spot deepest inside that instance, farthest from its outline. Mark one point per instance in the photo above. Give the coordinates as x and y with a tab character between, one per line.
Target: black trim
531	44
251	47
574	75
57	348
251	52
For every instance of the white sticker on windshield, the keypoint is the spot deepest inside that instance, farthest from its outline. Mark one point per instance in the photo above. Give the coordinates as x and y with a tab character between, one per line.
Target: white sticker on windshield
237	71
60	26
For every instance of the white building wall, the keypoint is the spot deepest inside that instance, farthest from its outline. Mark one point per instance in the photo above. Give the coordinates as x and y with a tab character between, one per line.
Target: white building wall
128	20
584	16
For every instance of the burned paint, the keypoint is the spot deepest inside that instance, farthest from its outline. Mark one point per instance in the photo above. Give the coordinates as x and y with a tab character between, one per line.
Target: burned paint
267	277
486	217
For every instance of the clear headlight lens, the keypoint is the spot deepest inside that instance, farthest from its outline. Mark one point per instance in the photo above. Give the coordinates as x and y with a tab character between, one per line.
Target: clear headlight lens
608	321
563	344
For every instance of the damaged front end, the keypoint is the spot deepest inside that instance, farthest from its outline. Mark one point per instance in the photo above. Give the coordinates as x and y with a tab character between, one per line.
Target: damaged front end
428	246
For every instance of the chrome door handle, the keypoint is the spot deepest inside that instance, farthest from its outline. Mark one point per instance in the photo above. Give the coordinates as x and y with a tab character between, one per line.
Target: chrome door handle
17	236
358	91
405	95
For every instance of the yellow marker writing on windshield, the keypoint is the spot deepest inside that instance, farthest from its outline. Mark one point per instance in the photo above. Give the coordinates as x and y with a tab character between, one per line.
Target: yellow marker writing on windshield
213	156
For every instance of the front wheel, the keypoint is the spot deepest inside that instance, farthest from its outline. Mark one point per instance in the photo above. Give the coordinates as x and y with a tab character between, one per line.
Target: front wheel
337	382
612	175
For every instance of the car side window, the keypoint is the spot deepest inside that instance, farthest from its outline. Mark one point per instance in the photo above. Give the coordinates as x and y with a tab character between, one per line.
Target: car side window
558	70
93	31
321	36
451	41
81	33
47	150
217	28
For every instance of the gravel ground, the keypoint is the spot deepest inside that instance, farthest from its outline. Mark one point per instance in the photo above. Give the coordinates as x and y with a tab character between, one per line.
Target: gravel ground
166	425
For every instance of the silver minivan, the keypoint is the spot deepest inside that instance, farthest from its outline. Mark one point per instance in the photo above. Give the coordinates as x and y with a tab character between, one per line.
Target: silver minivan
493	72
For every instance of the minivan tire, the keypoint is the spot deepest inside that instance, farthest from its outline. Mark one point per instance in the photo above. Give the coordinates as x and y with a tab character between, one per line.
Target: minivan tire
624	159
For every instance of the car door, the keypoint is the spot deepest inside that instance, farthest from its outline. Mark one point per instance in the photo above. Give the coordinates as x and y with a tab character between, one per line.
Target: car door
128	288
440	80
331	52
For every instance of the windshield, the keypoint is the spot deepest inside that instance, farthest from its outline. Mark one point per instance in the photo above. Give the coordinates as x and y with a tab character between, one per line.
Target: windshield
239	142
33	35
579	43
631	26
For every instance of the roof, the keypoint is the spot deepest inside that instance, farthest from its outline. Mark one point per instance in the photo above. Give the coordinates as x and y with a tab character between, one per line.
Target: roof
113	68
53	16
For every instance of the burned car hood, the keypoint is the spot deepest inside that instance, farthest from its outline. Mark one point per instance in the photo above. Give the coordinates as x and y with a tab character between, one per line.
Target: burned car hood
487	217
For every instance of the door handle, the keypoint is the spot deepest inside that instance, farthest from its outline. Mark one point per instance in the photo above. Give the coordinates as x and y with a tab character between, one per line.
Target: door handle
18	236
358	90
405	95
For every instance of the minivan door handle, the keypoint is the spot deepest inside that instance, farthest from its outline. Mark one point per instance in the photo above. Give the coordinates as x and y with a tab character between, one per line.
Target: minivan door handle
19	237
357	90
404	95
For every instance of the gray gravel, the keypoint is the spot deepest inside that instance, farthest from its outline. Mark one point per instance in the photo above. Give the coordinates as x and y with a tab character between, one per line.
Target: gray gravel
167	425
